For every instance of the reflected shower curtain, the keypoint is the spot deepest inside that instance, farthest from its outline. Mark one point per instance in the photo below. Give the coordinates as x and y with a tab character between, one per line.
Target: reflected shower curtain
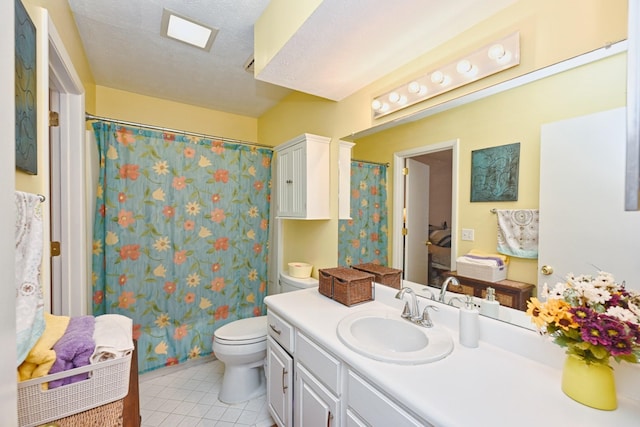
364	238
180	237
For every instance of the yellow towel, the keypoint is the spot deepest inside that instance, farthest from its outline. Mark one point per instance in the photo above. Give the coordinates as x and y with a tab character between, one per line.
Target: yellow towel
476	252
41	357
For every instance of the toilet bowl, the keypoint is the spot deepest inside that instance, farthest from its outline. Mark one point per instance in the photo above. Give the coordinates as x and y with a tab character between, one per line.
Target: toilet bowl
242	346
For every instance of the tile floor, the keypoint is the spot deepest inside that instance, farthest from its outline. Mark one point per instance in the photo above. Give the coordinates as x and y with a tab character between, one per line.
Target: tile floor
187	396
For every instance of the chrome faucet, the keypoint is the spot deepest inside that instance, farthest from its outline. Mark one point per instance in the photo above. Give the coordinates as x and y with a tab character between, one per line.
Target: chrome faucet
410	311
443	289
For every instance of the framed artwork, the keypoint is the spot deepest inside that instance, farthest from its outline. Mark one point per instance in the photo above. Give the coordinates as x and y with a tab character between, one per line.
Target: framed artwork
494	173
26	91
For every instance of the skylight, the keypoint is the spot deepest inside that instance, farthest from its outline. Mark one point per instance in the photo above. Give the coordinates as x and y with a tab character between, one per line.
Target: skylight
187	31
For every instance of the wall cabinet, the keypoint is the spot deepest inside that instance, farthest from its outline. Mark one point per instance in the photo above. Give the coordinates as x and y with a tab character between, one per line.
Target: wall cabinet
303	178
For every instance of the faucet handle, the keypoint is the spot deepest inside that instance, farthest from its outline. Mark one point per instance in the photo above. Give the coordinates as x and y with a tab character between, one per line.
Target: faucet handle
406	311
426	319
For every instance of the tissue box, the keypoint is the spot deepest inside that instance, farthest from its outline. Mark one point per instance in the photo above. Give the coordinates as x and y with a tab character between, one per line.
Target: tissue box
481	272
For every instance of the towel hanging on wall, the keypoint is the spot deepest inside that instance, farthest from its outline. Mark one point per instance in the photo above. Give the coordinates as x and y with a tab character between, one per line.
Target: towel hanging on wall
518	232
29	243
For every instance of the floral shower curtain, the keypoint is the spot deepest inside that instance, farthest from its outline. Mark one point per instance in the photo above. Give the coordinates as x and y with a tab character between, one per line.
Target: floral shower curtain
364	238
180	237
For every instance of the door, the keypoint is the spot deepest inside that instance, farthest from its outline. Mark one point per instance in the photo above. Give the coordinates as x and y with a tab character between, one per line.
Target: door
56	288
279	384
579	207
315	405
416	250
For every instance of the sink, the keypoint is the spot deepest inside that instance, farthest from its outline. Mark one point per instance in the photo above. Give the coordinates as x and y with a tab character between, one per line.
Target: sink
383	335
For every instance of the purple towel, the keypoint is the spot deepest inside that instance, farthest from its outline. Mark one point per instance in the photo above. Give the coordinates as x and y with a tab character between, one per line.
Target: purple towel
73	349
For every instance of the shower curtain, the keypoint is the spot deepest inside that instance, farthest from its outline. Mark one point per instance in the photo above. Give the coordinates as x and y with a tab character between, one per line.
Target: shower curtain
364	238
180	237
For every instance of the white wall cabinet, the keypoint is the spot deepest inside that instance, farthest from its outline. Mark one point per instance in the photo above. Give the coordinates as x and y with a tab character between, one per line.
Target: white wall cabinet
303	178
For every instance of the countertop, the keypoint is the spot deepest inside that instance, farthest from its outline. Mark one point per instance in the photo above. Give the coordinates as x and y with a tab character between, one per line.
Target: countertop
485	386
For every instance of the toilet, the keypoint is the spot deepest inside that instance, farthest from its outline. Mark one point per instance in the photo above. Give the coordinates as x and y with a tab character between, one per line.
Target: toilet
242	346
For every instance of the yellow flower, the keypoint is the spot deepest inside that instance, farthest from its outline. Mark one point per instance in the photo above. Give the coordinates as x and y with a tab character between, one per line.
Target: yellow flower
252	170
193	280
204	162
161	348
253	211
253	275
193	208
204	303
111	239
97	247
534	310
251	298
251	234
162	320
100	192
161	244
204	232
194	353
158	194
160	271
112	153
161	167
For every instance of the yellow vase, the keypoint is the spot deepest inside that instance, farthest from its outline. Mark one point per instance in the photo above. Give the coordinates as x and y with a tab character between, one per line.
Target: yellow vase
590	384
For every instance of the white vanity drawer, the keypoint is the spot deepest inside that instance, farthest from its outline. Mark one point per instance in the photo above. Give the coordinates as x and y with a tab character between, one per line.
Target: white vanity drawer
281	331
324	366
374	408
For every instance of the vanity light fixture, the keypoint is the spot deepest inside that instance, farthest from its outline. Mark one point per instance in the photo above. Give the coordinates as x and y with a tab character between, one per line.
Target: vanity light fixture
187	30
490	59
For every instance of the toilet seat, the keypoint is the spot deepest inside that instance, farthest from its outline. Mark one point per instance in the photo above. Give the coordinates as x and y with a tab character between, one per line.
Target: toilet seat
244	331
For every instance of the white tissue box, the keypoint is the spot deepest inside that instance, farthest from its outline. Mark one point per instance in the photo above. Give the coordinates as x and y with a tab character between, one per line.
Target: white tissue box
108	381
487	273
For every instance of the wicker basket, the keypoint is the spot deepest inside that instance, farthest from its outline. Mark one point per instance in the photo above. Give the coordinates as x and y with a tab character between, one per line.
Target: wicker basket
108	381
384	275
346	285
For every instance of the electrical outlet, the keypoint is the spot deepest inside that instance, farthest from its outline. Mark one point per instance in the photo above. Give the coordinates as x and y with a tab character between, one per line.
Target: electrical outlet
467	234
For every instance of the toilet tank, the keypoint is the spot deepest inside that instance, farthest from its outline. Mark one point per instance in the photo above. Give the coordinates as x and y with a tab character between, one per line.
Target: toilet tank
288	283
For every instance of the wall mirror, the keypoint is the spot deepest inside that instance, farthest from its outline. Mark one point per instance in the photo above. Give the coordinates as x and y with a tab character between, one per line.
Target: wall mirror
520	110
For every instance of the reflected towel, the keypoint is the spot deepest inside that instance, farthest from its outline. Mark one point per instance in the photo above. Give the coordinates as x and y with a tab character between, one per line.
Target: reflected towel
113	337
74	350
42	356
28	257
518	232
474	259
476	252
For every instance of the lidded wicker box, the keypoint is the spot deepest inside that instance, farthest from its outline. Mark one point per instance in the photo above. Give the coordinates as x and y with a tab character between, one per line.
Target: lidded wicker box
384	275
346	285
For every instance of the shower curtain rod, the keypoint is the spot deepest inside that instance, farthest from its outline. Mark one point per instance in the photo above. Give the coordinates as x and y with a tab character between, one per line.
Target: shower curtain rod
370	162
88	117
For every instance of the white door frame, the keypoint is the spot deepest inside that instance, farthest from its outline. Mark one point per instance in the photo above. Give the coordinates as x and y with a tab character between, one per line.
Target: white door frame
75	233
398	196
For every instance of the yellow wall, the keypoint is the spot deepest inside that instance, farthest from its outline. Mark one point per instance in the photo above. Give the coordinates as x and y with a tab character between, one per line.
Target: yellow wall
550	31
132	107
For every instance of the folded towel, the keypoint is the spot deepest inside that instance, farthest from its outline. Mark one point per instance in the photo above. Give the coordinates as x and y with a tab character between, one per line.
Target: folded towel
471	259
476	252
112	336
73	350
42	356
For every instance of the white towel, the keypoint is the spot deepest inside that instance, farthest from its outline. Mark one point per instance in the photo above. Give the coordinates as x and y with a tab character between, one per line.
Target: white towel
480	261
113	337
518	232
28	257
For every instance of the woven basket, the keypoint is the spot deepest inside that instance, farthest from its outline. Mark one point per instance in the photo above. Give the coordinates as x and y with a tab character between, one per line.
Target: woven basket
109	415
384	275
346	285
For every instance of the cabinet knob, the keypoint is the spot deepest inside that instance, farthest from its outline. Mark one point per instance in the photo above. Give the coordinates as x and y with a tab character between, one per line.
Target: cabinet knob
289	181
547	270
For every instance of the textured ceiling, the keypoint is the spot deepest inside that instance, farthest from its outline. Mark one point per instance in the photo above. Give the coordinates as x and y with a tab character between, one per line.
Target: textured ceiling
342	47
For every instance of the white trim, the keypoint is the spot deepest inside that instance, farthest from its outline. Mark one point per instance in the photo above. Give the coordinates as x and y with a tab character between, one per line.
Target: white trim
76	256
399	190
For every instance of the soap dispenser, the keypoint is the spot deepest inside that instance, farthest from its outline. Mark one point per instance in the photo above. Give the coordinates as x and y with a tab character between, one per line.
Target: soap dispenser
469	324
490	306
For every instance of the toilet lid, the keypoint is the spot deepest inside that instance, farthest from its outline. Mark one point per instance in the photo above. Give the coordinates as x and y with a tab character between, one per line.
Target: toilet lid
244	329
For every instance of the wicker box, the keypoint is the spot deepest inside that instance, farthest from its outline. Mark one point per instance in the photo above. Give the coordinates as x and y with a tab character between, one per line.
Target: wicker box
487	273
108	381
384	275
346	285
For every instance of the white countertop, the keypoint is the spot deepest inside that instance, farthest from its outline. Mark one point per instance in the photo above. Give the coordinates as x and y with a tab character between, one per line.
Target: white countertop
485	386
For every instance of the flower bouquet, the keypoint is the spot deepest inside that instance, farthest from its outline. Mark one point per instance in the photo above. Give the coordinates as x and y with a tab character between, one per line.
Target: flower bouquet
595	318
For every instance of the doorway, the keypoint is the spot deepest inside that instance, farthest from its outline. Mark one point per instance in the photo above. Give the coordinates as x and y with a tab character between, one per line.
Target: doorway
425	211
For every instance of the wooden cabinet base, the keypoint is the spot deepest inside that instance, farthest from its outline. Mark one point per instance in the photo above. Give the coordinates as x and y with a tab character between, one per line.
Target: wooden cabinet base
509	293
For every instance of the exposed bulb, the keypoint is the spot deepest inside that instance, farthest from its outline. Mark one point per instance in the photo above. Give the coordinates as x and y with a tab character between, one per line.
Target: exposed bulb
464	66
496	52
376	105
394	97
437	77
414	87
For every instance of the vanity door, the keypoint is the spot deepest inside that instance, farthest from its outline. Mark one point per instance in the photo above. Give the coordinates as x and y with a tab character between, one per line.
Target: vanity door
315	406
279	384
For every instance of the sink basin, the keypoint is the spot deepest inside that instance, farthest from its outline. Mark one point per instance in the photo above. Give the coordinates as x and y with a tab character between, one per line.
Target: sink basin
383	335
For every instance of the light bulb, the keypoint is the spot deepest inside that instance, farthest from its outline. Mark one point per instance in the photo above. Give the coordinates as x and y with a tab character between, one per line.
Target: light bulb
423	90
394	97
464	66
496	52
402	100
376	105
384	108
414	87
437	77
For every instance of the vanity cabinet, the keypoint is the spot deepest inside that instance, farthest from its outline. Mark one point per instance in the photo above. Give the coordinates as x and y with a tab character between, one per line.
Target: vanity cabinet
367	406
303	178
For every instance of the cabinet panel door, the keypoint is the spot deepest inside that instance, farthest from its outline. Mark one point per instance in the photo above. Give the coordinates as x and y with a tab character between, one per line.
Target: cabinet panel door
299	177
279	384
285	182
315	406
